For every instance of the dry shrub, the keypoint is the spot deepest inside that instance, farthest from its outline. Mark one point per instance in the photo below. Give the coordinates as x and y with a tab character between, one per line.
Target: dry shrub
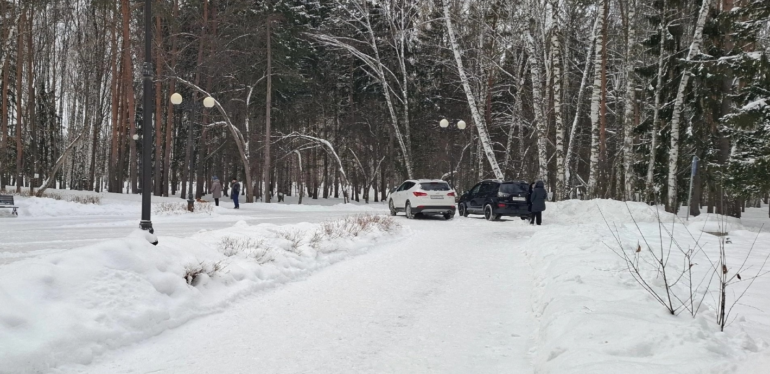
87	199
253	248
353	226
181	207
193	272
295	237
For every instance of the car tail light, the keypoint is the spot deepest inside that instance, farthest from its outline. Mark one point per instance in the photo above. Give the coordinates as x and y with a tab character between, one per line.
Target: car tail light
451	194
501	205
420	194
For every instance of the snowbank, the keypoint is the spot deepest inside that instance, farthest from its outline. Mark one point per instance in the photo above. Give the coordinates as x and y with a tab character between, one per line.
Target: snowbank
47	207
593	317
70	307
580	212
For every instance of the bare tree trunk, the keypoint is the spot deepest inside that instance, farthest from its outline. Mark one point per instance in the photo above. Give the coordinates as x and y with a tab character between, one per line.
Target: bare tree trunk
170	117
535	65
557	86
19	98
596	101
481	126
578	106
673	155
158	162
628	117
128	73
300	185
656	111
268	106
115	96
4	119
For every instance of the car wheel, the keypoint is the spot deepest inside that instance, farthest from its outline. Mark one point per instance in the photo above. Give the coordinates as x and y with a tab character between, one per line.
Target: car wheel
392	208
489	214
408	210
463	211
448	216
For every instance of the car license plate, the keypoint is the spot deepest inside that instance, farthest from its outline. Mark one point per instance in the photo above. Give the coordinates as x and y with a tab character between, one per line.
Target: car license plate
436	197
517	198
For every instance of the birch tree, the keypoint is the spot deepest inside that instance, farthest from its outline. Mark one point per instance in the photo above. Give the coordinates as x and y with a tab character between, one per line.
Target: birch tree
596	98
663	31
481	125
579	106
673	155
557	86
360	17
630	98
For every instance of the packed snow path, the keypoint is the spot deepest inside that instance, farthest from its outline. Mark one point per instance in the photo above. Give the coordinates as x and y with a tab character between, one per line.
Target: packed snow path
451	297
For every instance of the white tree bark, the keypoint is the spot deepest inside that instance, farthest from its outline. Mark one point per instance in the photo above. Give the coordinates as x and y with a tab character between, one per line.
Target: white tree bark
535	65
481	125
557	86
628	117
578	106
673	155
301	176
596	96
517	111
663	31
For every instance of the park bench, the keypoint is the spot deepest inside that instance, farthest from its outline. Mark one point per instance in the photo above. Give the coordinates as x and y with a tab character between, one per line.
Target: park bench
6	201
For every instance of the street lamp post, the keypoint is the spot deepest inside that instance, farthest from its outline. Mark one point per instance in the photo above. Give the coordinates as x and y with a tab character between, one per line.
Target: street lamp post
146	223
444	124
193	108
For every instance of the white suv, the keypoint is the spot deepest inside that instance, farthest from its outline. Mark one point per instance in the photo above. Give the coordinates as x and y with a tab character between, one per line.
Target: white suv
423	196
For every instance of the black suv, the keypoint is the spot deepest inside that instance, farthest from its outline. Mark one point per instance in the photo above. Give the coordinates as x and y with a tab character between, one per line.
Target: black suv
494	199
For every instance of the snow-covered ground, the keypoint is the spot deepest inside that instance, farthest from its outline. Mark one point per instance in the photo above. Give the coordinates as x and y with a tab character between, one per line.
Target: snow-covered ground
46	226
81	293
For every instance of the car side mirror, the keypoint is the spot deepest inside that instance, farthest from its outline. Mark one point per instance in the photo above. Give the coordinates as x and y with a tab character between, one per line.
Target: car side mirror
392	190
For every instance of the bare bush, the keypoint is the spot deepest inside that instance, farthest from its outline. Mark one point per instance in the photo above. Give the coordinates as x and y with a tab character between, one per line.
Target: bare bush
681	289
295	237
252	248
181	208
194	271
353	226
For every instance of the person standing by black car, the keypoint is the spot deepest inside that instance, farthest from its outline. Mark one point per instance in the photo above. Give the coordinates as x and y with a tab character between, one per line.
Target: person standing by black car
537	203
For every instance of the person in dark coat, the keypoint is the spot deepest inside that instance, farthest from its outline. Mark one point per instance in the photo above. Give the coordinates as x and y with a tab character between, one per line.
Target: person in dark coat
235	191
537	199
216	189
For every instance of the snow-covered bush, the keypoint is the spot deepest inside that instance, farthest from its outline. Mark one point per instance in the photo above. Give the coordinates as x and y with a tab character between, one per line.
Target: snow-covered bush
80	199
181	208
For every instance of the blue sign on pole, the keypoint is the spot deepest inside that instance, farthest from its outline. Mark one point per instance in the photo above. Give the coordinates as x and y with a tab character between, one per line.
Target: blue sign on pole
695	160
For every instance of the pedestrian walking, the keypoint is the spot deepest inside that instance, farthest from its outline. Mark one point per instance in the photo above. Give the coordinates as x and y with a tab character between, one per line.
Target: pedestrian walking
537	199
235	190
216	189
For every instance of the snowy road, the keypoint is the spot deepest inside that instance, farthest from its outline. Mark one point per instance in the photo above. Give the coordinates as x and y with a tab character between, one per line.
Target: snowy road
452	297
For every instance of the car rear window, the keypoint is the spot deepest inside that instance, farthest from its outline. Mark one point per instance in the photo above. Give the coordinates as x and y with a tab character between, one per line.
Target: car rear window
513	188
434	186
